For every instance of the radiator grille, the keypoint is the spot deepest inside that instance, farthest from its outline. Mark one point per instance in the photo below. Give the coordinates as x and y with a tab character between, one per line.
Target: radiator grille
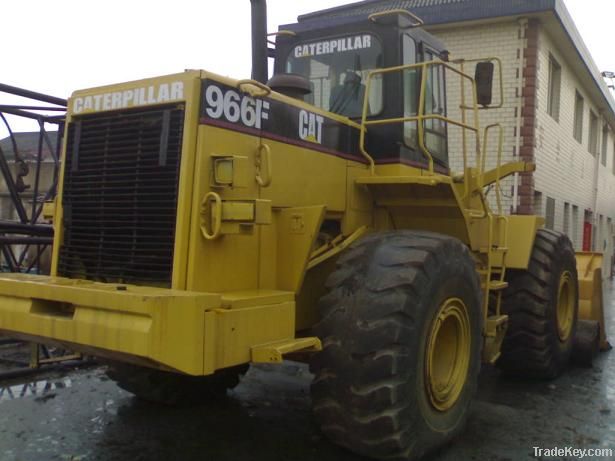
120	196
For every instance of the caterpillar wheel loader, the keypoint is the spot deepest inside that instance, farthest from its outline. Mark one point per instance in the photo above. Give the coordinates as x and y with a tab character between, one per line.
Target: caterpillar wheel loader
205	223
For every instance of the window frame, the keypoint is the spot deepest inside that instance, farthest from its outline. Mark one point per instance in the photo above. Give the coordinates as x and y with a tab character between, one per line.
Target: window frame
374	37
592	140
550	213
406	93
555	87
579	115
605	145
441	90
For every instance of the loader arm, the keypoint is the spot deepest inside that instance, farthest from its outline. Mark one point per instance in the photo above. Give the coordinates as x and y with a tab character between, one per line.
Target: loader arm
491	176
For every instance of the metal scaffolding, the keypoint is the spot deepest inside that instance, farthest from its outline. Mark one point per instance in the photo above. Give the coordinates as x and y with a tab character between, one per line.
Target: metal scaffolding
24	239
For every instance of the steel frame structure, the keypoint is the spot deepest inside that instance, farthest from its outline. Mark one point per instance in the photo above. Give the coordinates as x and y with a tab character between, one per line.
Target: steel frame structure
18	237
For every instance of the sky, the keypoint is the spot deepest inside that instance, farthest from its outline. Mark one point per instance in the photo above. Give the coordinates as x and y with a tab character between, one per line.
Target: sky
56	47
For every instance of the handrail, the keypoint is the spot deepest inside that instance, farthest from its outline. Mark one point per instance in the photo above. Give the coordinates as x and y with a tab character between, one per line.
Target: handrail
263	157
216	216
498	166
243	86
280	33
420	118
417	21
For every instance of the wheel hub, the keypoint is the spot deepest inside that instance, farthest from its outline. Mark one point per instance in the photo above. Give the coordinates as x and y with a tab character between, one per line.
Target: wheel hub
448	354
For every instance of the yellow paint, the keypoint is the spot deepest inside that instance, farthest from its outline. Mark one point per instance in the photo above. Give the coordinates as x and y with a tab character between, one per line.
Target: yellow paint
448	354
49	210
167	327
495	331
239	330
591	305
521	234
274	352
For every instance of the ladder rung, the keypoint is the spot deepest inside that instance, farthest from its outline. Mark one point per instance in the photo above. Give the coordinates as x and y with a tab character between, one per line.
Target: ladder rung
494	250
497	285
476	214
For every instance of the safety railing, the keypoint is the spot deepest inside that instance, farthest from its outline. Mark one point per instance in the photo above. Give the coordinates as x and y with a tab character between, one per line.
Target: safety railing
498	166
421	116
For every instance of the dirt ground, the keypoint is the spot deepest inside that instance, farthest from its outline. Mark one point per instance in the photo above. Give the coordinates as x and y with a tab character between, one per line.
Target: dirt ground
81	415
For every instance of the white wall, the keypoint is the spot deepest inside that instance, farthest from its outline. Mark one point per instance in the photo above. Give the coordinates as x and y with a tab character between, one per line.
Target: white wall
566	171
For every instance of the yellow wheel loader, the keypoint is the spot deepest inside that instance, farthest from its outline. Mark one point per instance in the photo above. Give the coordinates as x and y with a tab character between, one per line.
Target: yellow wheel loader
205	223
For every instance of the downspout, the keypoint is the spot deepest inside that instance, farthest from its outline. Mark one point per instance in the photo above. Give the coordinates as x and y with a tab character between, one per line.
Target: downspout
523	26
595	221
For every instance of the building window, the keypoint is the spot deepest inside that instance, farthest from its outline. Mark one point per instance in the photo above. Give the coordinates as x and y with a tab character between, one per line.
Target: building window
567	219
601	244
555	84
575	226
578	117
605	140
593	133
550	214
538	205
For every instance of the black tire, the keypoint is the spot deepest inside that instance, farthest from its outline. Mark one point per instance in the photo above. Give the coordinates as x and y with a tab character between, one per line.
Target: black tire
369	393
532	346
173	388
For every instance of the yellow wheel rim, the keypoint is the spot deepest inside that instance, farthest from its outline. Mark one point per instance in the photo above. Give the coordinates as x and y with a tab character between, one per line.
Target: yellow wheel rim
565	306
448	354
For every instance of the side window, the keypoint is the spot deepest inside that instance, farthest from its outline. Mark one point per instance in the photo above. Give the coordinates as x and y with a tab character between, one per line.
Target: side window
435	104
435	101
412	82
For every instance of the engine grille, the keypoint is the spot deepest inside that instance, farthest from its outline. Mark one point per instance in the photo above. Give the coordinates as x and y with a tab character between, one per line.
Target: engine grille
120	196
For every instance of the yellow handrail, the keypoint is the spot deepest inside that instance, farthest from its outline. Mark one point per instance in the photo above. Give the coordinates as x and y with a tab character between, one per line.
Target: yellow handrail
420	118
417	21
216	215
498	189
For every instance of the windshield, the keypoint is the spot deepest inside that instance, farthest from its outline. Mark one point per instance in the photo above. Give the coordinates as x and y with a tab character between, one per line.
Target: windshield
337	69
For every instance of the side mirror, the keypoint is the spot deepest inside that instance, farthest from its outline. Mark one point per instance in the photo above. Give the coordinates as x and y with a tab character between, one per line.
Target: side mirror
484	82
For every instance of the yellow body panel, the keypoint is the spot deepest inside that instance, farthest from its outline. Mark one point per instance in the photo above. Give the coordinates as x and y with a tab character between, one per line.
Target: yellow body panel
190	97
194	333
520	239
591	306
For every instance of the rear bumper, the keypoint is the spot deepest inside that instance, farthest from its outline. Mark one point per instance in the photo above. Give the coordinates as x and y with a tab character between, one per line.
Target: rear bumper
194	333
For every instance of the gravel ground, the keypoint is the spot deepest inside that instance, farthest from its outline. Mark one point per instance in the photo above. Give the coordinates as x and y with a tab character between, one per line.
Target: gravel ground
84	416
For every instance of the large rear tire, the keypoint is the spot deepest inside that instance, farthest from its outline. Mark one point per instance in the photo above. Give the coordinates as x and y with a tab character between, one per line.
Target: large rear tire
173	388
401	332
542	305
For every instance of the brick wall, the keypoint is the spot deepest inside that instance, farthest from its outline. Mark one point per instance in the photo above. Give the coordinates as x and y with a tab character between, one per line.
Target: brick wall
503	41
566	171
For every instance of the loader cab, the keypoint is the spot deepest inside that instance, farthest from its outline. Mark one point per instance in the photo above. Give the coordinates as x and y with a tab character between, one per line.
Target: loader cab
335	55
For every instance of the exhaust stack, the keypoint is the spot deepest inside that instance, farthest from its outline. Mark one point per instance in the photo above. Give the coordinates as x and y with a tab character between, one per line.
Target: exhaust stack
260	68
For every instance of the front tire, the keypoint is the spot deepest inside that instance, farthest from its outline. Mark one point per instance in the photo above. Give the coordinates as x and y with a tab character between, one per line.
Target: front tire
401	332
542	305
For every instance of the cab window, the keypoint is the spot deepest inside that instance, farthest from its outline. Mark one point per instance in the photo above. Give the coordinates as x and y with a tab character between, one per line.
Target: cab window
337	69
435	104
435	100
412	82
